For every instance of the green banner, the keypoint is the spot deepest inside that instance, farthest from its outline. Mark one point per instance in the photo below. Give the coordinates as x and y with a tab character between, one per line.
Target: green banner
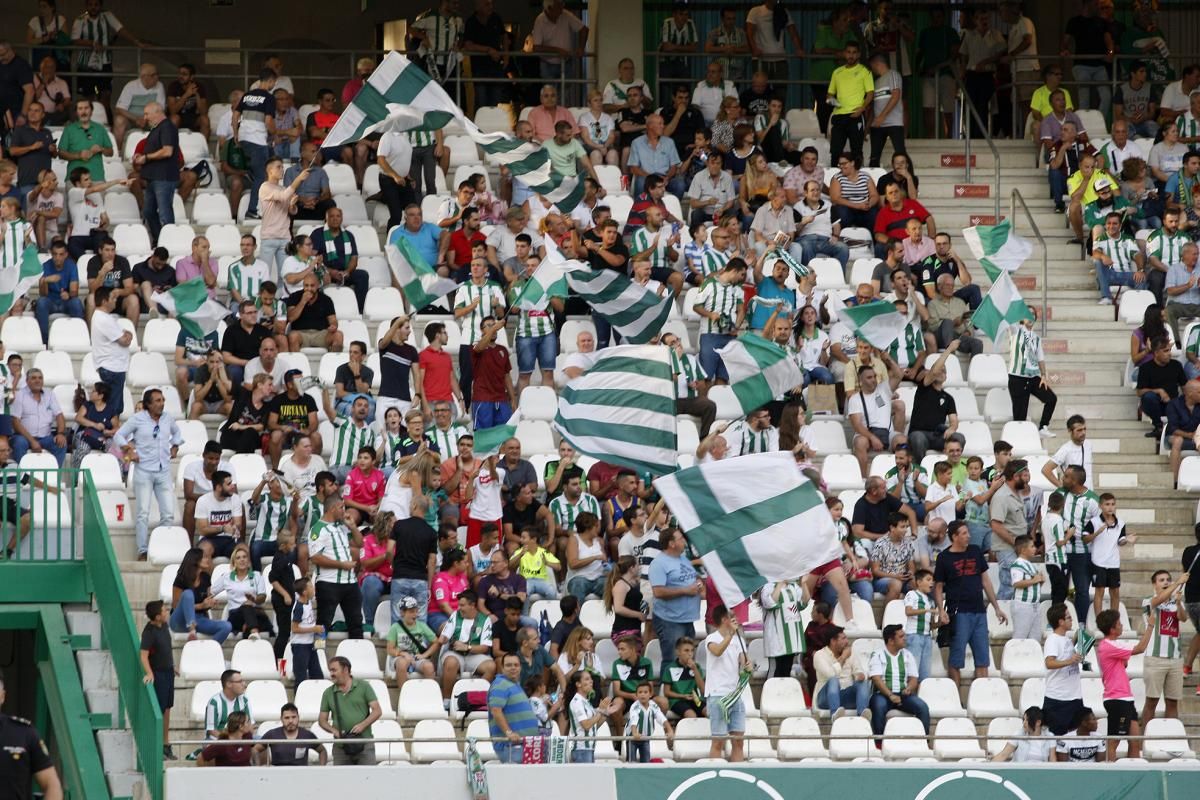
956	782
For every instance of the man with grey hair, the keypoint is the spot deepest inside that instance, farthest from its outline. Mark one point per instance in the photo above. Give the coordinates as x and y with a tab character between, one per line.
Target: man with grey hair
130	108
652	153
949	318
159	167
1183	288
37	419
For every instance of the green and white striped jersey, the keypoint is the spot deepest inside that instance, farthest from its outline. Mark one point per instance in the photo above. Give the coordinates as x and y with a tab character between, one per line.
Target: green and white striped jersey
723	299
745	440
565	512
763	121
101	30
1023	570
911	343
422	137
687	370
1121	250
644	719
491	302
679	34
1167	248
1025	352
245	279
332	540
1078	509
5	375
908	492
444	35
1164	642
446	440
347	438
645	239
894	669
616	91
712	261
1189	125
1054	530
391	446
921	624
272	518
216	713
308	513
578	712
17	235
533	322
783	625
469	631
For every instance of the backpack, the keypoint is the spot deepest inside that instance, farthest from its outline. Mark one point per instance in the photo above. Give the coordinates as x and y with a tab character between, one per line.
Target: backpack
472	701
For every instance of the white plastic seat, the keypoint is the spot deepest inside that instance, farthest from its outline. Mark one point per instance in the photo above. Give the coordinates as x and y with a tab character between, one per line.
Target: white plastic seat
212	209
979	438
538	403
382	693
1024	438
782	698
247	469
366	237
195	436
1189	474
132	238
989	698
965	403
1133	305
255	659
161	334
895	749
493	119
610	179
341	178
21	335
796	749
850	738
308	698
692	737
168	545
462	151
893	613
829	437
122	209
383	304
758	741
950	749
864	620
201	659
1032	693
202	692
535	437
328	366
364	662
177	238
70	335
997	406
425	750
265	697
389	752
941	695
881	464
803	122
987	371
548	607
345	304
148	369
420	699
841	471
1022	658
225	242
354	210
862	269
466	685
592	615
999	731
728	406
1166	749
828	272
105	470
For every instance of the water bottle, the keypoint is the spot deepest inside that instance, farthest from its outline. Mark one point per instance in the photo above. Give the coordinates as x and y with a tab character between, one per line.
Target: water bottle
319	641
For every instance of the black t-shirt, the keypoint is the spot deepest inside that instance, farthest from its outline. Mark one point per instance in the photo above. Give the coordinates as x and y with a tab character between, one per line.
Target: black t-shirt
561	630
294	412
961	575
345	377
281	571
1191	589
489	33
199	591
257	101
415	542
618	247
244	412
242	344
931	408
33	162
295	752
522	519
685	132
200	378
637	118
873	516
164	134
116	276
929	269
506	637
315	316
395	361
888	178
191	105
756	103
159	278
1088	33
13	77
1168	377
156	640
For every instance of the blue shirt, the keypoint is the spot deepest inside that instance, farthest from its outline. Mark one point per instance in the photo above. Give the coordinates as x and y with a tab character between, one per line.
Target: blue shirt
151	440
654	160
68	274
771	290
514	704
1179	418
1173	186
674	572
312	186
425	240
1179	275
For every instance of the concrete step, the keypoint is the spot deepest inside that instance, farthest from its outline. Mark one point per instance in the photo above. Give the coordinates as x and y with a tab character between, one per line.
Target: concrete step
96	669
116	751
85	623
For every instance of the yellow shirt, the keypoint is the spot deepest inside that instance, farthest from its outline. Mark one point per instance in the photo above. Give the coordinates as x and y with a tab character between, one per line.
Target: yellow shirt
850	85
535	565
1041	100
1089	194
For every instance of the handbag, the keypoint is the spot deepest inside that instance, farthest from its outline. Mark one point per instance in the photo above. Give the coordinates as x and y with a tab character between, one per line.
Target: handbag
352	749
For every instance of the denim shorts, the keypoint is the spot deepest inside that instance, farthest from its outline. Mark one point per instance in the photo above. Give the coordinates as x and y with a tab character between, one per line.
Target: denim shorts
723	723
542	349
970	628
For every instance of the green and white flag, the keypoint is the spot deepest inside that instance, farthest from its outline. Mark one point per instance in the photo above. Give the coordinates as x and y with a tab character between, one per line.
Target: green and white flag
1001	307
878	322
780	254
637	313
759	370
753	519
399	96
548	280
622	409
488	441
997	247
198	314
417	278
18	279
476	774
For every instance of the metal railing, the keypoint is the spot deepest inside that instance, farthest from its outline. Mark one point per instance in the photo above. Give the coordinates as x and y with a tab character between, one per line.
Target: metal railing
971	115
49	514
1014	198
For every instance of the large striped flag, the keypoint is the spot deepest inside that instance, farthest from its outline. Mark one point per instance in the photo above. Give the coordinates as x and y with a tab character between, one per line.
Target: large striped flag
1001	308
637	313
417	278
18	279
198	314
488	441
997	247
781	254
759	371
753	519
878	323
622	409
399	96
548	280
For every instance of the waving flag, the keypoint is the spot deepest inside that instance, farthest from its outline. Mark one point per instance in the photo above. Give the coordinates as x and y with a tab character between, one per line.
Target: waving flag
781	254
878	323
488	441
198	314
1001	308
753	519
622	409
637	313
997	247
759	371
18	279
548	280
418	280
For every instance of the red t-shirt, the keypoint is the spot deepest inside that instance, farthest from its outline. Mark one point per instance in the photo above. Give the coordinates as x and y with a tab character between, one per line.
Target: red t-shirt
438	367
892	222
322	119
229	755
460	246
602	472
490	366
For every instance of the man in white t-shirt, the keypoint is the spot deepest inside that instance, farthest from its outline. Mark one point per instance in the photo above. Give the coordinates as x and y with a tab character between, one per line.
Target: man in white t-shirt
300	471
1077	452
872	416
766	41
394	156
727	659
110	347
197	481
128	113
1063	698
219	518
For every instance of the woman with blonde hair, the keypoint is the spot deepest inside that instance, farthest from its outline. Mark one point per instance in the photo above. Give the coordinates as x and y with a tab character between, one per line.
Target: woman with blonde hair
598	130
246	593
579	653
413	474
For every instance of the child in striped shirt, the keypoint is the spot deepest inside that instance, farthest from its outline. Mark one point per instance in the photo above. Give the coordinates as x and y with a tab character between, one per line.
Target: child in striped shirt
920	618
1027	583
643	720
694	262
1055	536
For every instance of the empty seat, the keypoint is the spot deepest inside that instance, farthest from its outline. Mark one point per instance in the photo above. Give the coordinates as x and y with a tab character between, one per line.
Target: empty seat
148	369
997	406
841	471
168	544
808	743
781	698
728	406
941	695
987	371
21	335
354	210
829	438
592	615
692	739
386	752
160	335
122	209
850	738
758	741
200	660
247	469
383	304
1133	305
947	748
212	209
255	659
539	403
1024	438
364	662
896	748
420	699
535	437
1033	691
462	150
105	470
308	698
195	436
202	692
434	740
177	238
70	335
979	438
56	368
265	697
341	178
1022	658
989	698
864	619
1165	749
345	304
132	238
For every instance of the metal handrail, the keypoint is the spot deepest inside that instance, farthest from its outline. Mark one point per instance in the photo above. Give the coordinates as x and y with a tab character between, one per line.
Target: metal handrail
1014	198
987	137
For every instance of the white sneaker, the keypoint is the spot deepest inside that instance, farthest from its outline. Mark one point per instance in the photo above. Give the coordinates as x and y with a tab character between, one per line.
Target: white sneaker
253	635
1105	301
839	713
1046	433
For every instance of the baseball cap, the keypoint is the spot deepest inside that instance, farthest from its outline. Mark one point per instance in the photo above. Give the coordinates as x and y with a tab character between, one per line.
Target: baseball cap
1103	183
408	602
290	374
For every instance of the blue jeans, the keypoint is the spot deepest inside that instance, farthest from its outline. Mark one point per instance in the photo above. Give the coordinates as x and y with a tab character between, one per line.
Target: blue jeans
20	446
911	704
1107	277
184	616
1058	187
712	364
1102	94
583	756
508	752
159	206
863	589
373	588
489	415
414	588
1154	408
970	295
832	696
1079	565
258	549
921	646
54	304
435	621
970	627
546	589
287	150
817	375
256	159
604	332
1146	129
272	253
981	535
668	634
305	663
542	350
145	484
116	385
582	587
813	245
1005	558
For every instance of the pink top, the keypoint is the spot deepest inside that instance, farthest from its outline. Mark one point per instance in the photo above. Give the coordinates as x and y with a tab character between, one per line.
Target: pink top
373	549
916	253
274	200
1113	659
446	588
187	268
543	122
366	489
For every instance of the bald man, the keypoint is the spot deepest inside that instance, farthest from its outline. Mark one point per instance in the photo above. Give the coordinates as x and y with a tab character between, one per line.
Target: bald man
159	165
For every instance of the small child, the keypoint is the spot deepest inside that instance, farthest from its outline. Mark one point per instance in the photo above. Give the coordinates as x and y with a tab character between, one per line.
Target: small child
539	701
158	663
1055	538
282	577
1105	533
480	555
920	618
1118	694
977	494
941	498
1027	583
693	254
629	670
683	681
45	209
305	662
491	208
645	718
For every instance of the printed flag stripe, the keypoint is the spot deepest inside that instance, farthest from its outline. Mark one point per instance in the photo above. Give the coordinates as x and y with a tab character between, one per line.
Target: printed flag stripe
624	398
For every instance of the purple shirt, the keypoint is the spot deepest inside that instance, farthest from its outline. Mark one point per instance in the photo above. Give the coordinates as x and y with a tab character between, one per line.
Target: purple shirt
187	268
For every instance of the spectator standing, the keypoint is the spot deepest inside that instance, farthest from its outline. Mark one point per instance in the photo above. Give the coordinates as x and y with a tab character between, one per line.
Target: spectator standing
1027	375
253	125
677	590
679	35
766	25
727	663
560	39
1118	693
313	195
32	147
1089	34
278	201
151	440
960	581
1007	515
887	109
110	347
1163	665
1079	507
851	92
333	549
348	709
1063	698
510	715
484	36
982	48
158	664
